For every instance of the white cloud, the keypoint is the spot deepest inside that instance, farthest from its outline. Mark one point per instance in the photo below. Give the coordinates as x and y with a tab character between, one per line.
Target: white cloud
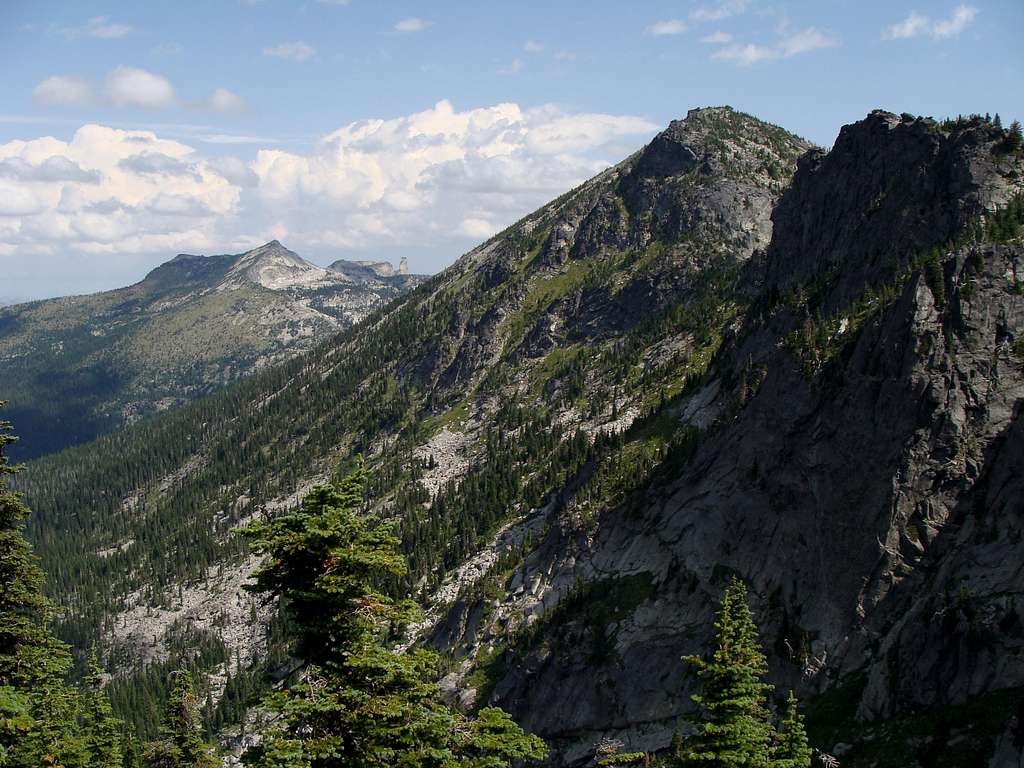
100	27
533	46
746	54
477	229
963	17
513	68
133	87
436	179
63	90
296	51
54	168
916	25
912	26
719	11
803	41
667	27
109	191
223	100
565	56
717	38
411	25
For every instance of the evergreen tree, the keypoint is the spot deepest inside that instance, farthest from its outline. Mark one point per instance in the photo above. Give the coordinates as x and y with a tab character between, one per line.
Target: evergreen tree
1014	137
356	702
732	725
101	731
37	708
132	758
182	745
791	747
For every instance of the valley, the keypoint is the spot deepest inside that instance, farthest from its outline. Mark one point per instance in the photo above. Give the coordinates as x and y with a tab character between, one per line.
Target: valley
732	354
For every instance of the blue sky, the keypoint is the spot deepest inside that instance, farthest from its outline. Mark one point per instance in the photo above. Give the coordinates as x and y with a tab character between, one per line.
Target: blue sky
132	131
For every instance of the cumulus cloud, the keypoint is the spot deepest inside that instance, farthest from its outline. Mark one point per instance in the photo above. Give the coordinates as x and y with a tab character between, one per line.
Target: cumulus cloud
62	90
156	163
133	87
109	191
667	27
411	25
917	25
54	168
802	41
296	51
533	46
437	179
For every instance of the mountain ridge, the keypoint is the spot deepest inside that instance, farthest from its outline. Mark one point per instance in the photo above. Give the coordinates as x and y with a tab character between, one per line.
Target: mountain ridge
88	364
590	421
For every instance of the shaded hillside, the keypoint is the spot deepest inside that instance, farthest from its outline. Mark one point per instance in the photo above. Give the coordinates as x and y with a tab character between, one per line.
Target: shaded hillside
687	367
80	366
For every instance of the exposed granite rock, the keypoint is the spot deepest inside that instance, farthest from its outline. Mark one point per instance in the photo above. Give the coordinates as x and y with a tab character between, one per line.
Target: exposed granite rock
875	509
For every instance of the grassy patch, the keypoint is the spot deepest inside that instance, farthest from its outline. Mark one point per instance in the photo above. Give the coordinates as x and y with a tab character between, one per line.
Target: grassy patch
542	293
454	419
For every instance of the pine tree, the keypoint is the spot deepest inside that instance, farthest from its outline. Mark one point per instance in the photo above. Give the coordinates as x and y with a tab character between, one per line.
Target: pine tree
37	708
182	745
356	702
791	747
732	725
101	731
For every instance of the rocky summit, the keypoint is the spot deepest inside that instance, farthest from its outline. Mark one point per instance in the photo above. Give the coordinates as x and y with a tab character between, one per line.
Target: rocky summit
80	366
731	354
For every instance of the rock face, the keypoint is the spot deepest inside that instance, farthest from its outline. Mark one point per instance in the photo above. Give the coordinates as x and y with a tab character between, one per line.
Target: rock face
711	359
368	271
79	366
874	508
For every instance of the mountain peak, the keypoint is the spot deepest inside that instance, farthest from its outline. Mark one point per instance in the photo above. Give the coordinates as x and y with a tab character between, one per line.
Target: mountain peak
274	266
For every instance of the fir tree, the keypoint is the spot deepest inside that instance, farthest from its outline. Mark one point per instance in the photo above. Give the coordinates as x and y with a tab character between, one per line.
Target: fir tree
356	703
101	731
732	725
182	745
37	708
791	747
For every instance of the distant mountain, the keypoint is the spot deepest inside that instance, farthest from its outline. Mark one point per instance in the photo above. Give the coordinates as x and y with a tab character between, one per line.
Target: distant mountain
80	366
369	270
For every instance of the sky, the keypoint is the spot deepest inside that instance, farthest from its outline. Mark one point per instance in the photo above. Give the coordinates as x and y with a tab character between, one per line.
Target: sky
376	129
